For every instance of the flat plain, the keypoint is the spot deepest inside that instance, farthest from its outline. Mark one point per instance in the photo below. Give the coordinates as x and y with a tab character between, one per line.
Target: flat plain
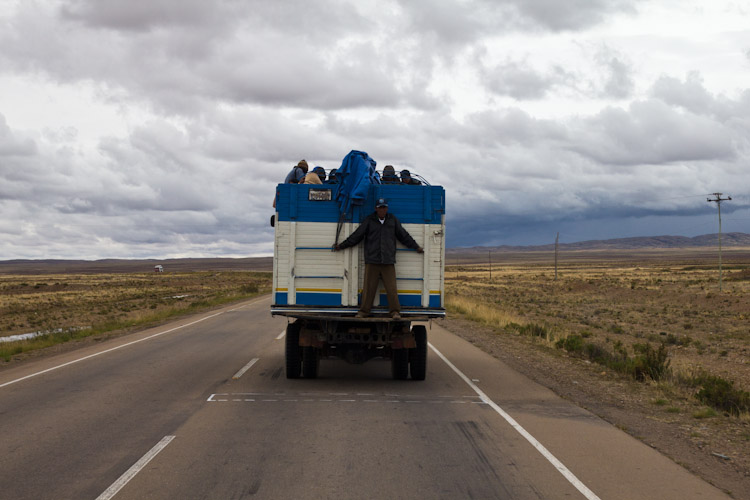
89	303
643	338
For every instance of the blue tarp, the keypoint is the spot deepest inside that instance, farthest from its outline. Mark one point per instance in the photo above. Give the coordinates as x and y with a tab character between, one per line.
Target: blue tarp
356	174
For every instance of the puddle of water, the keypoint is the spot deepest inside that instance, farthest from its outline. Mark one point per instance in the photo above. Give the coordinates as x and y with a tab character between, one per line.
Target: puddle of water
26	336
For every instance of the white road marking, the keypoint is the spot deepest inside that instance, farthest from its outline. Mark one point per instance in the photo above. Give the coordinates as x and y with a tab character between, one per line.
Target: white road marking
572	479
109	350
135	469
245	368
281	397
281	335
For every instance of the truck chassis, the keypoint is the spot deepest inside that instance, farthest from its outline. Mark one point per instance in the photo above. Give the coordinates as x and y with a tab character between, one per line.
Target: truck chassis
311	337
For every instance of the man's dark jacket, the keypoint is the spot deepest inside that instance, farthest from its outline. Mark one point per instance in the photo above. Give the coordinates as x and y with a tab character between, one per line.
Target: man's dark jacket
380	239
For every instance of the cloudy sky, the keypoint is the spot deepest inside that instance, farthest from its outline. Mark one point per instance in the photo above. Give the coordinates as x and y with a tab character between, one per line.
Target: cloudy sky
159	128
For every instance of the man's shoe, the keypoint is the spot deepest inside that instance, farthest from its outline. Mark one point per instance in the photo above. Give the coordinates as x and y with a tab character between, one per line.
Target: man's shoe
395	315
361	314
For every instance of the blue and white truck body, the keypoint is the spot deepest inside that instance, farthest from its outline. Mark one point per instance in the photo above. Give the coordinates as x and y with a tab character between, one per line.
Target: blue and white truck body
309	277
321	289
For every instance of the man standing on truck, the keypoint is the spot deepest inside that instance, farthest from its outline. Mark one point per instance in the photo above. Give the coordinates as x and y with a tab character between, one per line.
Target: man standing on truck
380	230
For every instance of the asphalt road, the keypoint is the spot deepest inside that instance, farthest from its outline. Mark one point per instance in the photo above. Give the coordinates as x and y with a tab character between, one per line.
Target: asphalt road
201	408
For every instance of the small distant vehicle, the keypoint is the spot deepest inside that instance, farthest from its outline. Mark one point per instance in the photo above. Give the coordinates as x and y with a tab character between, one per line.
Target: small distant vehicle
319	290
158	268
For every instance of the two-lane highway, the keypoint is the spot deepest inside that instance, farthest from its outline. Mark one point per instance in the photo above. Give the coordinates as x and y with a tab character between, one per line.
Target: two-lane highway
201	409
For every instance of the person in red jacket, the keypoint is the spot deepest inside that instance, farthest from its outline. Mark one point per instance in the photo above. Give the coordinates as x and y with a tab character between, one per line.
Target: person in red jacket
380	230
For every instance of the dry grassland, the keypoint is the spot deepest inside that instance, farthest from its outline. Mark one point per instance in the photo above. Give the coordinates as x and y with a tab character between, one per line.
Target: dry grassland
70	306
604	316
676	303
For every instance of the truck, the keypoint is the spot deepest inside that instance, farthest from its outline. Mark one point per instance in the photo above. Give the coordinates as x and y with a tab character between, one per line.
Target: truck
319	290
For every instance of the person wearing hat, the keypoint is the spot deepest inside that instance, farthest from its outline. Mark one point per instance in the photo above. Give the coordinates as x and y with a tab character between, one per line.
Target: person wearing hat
320	171
406	178
297	174
380	230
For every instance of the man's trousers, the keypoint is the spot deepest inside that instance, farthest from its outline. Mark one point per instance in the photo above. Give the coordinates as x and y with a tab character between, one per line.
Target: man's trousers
373	273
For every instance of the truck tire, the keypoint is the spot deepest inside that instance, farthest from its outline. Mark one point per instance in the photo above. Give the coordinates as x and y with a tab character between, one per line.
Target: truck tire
310	362
418	355
400	364
293	351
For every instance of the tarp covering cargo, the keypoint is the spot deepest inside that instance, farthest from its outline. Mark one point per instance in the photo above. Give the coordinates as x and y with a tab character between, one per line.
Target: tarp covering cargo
356	174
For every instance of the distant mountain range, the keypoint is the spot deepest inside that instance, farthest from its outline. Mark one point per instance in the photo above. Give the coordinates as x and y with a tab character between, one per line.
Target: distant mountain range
134	266
708	241
636	243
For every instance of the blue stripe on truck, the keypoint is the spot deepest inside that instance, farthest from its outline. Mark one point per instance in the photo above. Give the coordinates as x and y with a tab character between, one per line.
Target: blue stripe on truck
334	299
411	204
280	299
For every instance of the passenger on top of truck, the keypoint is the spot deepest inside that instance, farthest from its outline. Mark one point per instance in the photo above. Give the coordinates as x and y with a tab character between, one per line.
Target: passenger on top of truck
321	173
295	176
380	230
407	179
332	178
297	173
389	175
311	178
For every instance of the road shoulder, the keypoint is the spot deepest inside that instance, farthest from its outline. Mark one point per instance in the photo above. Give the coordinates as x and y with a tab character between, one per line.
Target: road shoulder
623	403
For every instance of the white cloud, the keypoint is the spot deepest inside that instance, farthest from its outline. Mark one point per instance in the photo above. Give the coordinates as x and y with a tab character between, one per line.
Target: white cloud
161	129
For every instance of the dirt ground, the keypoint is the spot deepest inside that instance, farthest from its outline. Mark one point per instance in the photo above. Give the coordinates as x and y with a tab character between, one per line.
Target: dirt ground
656	301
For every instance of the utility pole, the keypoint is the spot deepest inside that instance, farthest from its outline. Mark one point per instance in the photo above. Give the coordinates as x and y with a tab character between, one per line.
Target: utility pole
718	201
557	237
489	258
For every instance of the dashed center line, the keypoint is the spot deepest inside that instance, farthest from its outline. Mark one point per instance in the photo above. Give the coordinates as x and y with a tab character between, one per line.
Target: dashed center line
245	368
135	469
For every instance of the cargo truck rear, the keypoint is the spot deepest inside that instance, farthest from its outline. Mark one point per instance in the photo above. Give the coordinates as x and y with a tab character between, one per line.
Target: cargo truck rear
320	290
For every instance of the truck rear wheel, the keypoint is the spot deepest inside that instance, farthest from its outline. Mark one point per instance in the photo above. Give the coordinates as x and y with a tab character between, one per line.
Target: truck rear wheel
293	351
418	355
310	362
400	364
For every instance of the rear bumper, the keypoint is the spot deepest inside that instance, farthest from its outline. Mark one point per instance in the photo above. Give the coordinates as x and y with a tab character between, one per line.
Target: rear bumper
348	313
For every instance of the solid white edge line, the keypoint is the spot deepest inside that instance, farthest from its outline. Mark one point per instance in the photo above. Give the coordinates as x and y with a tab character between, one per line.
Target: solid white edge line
245	368
281	335
572	479
135	469
108	350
